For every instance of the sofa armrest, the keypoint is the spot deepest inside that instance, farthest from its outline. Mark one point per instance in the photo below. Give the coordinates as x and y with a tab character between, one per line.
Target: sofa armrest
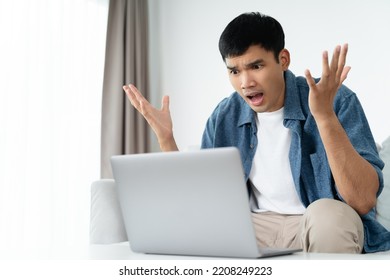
106	222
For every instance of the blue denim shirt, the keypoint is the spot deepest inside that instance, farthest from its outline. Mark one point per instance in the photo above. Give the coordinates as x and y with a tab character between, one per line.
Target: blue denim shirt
233	124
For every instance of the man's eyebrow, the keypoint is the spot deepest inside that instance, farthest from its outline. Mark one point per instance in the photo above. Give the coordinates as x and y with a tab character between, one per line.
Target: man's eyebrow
249	65
231	67
256	62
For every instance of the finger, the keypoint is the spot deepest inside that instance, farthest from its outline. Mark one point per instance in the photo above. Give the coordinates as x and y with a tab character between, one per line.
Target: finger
325	65
136	98
344	74
335	59
165	103
143	110
309	79
342	60
132	98
137	93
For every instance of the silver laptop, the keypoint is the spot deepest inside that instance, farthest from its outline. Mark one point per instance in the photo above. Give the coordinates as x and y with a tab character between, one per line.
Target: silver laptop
187	203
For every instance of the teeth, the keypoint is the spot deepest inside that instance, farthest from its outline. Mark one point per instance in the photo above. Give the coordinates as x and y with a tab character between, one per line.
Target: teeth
253	95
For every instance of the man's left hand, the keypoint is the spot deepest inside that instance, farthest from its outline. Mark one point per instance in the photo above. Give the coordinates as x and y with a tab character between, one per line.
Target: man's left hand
322	94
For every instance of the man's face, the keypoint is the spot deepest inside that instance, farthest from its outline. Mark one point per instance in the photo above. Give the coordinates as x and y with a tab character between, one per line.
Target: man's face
259	78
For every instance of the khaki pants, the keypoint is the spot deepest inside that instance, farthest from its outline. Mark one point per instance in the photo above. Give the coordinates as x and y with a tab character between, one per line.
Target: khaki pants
327	226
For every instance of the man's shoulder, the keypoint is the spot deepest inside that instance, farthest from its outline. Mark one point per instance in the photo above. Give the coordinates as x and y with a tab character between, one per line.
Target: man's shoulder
302	85
345	92
232	109
233	99
232	102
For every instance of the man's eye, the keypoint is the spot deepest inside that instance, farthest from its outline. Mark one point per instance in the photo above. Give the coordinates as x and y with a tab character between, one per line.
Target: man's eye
234	72
257	66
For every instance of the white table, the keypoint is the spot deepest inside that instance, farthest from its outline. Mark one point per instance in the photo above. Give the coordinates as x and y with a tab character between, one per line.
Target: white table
121	251
107	261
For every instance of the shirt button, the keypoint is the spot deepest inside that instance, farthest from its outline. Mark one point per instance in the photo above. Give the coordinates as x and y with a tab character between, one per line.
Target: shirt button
251	146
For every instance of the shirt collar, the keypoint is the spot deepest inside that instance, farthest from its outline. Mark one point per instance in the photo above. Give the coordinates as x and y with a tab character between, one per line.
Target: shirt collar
247	115
292	102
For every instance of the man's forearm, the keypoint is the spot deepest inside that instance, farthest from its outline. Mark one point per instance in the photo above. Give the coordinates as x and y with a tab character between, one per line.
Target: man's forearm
355	178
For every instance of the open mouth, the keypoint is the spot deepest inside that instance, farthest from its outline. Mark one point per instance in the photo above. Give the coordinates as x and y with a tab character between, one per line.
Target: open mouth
256	99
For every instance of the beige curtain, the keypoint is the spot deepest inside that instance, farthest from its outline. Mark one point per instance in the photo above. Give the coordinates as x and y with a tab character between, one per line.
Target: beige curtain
124	130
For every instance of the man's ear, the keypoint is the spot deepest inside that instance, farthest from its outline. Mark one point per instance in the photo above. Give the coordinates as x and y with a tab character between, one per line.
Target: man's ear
284	59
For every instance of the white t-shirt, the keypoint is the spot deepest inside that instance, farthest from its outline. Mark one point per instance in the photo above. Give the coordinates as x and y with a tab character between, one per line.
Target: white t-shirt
274	188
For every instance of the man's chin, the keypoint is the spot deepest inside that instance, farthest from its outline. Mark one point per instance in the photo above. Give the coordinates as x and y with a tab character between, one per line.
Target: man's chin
258	109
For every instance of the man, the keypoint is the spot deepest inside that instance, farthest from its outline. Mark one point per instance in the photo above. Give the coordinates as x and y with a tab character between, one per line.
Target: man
309	157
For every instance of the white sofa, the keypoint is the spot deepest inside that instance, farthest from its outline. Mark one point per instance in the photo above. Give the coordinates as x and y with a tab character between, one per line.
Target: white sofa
383	204
106	224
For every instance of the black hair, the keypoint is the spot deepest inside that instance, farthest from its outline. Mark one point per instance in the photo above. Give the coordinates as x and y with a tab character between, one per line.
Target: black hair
250	29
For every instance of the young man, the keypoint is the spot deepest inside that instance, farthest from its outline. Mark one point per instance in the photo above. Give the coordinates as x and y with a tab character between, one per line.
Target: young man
311	163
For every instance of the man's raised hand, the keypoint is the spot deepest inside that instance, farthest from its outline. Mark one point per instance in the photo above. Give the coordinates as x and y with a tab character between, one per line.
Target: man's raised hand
322	94
159	120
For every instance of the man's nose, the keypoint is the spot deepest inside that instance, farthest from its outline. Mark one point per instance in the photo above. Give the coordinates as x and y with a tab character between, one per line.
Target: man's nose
247	80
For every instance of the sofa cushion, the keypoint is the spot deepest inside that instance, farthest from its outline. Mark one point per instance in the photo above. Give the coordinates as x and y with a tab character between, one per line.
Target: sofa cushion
106	224
383	203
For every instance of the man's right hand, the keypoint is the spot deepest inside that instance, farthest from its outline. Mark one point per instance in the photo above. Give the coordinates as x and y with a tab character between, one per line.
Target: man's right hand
159	120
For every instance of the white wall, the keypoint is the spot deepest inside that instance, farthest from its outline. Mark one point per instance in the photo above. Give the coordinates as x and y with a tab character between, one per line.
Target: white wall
187	65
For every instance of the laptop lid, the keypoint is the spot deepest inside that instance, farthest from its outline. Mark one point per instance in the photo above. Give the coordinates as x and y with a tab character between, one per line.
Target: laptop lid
187	203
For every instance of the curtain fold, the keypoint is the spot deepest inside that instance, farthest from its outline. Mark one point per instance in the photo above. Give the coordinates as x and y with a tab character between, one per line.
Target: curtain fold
124	131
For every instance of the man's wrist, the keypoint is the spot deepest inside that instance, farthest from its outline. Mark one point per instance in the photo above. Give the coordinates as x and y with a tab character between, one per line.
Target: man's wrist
168	145
324	121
